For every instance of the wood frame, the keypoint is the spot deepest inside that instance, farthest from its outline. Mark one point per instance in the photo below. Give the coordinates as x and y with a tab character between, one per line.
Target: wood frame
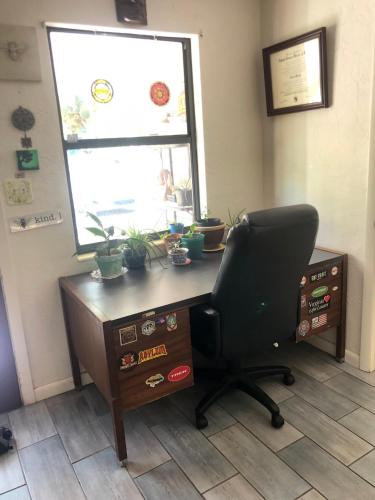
270	77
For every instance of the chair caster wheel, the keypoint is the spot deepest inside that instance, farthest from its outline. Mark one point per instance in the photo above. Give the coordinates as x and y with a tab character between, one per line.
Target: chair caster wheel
201	422
277	421
289	379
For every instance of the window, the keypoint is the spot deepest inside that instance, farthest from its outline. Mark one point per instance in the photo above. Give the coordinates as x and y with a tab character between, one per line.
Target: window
127	121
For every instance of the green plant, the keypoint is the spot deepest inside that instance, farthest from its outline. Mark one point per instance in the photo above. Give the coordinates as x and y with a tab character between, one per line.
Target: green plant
75	117
110	246
191	231
140	243
235	218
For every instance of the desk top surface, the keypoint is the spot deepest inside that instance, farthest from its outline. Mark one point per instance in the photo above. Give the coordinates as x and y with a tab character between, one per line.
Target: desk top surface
154	289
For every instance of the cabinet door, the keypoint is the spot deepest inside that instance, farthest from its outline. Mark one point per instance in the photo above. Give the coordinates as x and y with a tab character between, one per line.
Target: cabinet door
154	357
321	296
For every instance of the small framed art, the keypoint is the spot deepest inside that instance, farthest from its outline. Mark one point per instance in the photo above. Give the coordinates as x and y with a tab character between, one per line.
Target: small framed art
295	74
27	159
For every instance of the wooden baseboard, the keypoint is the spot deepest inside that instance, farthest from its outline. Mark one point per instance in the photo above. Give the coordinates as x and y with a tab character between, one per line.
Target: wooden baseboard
49	390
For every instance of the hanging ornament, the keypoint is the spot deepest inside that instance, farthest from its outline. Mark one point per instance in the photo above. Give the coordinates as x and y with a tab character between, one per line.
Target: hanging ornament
102	91
23	119
159	93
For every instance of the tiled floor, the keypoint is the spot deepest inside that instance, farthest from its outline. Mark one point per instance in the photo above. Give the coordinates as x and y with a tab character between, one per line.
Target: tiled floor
325	449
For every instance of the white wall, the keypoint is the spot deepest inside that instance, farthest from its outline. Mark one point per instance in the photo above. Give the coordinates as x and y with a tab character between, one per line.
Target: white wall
230	65
322	156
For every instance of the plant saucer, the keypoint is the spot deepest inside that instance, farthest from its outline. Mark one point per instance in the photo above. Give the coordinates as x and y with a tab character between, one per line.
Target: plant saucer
219	248
97	275
186	263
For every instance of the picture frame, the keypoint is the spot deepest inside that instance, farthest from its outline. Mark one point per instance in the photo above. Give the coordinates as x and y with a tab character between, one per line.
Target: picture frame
295	73
131	11
27	159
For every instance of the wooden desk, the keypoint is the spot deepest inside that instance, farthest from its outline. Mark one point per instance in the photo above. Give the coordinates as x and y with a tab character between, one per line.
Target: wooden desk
132	334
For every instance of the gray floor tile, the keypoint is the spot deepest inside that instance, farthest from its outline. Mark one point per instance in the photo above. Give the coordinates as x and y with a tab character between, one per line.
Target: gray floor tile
275	388
79	429
326	474
11	475
327	433
322	397
359	392
297	356
196	456
187	400
101	477
365	467
17	494
95	400
31	424
362	423
166	482
311	495
48	471
271	477
257	419
236	488
144	451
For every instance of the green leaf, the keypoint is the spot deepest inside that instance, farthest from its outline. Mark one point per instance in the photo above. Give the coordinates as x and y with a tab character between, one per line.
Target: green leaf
97	232
110	230
95	219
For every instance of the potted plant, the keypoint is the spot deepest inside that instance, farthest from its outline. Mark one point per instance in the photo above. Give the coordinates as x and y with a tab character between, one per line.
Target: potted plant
137	246
108	254
193	241
176	227
178	255
183	192
170	239
213	230
234	219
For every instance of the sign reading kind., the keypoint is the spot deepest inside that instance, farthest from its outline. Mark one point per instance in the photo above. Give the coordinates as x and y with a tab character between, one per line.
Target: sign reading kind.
34	221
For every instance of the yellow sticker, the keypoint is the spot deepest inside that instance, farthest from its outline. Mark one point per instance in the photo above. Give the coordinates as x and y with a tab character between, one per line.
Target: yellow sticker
152	353
102	91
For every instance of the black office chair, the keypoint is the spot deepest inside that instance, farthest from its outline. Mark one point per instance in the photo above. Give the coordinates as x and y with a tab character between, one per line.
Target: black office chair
255	301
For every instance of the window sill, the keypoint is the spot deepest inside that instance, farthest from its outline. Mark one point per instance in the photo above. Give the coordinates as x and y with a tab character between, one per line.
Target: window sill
84	257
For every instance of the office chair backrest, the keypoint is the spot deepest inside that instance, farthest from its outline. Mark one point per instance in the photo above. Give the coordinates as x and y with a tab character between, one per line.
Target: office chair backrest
257	288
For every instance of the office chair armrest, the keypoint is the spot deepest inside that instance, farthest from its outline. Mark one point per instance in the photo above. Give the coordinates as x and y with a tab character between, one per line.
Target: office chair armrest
205	330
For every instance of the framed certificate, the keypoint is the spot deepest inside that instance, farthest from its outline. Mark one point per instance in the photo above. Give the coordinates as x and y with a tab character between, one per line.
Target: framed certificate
295	74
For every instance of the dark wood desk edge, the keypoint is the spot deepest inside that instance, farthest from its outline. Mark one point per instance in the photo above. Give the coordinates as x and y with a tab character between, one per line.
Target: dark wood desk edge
67	286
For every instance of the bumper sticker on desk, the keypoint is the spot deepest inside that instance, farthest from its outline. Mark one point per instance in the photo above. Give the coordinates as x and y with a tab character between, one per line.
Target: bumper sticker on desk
319	304
334	270
179	373
318	276
128	360
335	288
303	328
153	353
160	321
319	321
154	380
128	334
303	281
171	322
303	301
148	327
319	292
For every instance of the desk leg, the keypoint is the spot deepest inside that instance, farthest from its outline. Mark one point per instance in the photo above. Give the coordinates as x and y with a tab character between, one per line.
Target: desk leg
118	430
341	330
76	371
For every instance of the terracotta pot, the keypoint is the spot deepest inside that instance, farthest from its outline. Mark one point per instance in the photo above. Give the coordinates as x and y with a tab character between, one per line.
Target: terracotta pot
213	235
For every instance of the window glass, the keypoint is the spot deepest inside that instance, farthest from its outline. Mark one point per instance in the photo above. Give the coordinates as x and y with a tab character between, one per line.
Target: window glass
118	86
143	186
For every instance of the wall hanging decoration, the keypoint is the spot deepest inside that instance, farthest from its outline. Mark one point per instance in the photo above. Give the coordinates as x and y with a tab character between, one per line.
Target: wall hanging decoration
102	91
131	11
295	74
33	221
19	55
159	93
24	120
27	159
18	191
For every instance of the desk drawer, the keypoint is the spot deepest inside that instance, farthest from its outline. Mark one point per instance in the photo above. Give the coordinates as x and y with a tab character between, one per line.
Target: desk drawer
321	297
154	357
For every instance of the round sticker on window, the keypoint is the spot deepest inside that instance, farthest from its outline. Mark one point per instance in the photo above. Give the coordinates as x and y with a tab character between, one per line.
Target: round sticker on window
159	93
102	91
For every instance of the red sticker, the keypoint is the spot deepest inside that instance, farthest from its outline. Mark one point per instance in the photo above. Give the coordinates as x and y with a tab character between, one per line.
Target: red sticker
159	93
179	373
